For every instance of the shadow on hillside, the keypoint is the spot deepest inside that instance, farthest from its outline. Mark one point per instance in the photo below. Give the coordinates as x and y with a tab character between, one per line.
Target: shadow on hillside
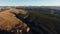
5	32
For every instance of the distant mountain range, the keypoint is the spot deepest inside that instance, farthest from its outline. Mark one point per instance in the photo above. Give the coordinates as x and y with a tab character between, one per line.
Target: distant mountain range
43	9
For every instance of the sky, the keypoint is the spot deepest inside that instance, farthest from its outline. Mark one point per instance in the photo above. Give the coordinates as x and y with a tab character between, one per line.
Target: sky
29	2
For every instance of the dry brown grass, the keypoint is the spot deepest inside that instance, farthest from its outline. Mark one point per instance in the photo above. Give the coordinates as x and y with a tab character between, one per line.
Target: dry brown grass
8	20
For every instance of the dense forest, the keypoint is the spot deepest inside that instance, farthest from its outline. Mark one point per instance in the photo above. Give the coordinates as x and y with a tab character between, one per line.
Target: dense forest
41	20
47	21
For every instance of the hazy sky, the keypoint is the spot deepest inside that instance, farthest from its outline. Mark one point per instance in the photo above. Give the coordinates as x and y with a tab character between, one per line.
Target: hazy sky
29	2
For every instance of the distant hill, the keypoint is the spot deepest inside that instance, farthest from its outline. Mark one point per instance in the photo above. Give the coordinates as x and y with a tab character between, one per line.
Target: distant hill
42	9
